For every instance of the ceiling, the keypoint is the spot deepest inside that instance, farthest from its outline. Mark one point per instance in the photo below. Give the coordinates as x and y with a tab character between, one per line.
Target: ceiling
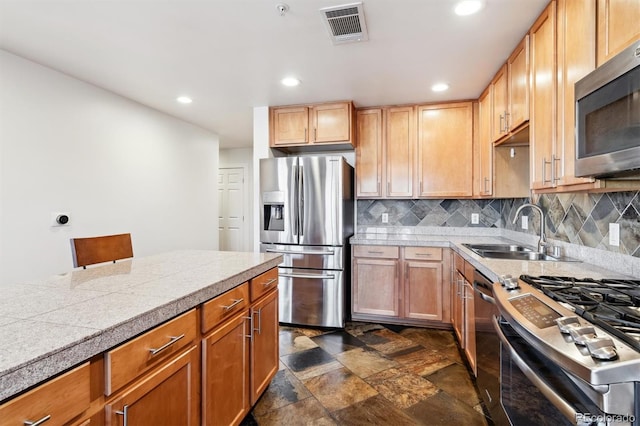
229	56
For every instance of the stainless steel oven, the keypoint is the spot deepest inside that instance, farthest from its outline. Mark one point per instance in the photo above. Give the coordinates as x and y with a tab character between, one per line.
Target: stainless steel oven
608	117
559	368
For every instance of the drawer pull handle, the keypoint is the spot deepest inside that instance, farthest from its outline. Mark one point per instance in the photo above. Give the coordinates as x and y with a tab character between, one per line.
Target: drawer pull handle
38	422
125	415
424	254
235	303
375	252
173	340
271	281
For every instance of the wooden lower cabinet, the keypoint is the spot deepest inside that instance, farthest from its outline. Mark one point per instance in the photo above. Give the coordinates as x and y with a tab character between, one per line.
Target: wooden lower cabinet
264	344
469	325
225	372
402	285
463	309
457	307
167	396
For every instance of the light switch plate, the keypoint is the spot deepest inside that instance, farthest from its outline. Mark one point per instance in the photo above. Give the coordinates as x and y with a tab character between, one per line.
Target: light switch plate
525	222
475	218
614	234
385	217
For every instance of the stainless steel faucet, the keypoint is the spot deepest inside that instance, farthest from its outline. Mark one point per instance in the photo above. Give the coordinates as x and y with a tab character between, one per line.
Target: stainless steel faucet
542	242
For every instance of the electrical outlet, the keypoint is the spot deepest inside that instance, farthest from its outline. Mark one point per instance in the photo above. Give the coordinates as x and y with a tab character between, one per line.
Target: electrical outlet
475	218
385	217
525	222
614	234
60	219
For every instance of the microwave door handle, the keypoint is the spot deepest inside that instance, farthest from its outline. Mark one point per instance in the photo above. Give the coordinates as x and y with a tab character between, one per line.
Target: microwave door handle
560	403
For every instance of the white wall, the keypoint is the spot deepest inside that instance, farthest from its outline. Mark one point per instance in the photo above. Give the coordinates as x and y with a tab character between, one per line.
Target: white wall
113	164
243	157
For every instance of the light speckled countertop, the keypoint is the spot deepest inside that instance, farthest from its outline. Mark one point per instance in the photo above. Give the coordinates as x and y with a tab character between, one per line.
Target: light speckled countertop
51	325
493	268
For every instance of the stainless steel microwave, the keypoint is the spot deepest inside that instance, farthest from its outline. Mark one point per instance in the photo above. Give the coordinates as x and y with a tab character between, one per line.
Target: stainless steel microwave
608	118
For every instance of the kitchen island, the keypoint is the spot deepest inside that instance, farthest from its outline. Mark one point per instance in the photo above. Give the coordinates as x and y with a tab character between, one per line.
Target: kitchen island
50	326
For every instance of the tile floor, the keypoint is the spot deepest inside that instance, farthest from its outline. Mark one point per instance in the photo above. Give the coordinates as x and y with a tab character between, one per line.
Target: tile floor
369	374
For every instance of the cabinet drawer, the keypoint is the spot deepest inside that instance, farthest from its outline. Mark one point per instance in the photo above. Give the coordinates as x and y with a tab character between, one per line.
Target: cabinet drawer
386	252
135	357
459	262
224	306
263	283
62	399
423	253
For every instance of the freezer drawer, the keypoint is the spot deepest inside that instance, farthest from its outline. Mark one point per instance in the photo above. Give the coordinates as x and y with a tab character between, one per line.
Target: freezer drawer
311	297
309	257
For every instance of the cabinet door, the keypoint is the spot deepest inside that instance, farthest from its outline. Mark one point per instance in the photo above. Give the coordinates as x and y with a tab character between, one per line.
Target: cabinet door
576	58
399	146
500	104
543	97
264	344
225	373
331	122
369	159
457	306
518	77
290	126
423	290
485	149
469	326
445	150
375	286
618	26
168	396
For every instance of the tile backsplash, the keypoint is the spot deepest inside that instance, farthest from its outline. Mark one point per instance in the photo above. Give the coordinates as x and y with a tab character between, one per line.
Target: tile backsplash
576	218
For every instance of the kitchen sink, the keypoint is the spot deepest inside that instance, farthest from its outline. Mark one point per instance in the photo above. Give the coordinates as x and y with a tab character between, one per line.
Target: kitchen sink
513	252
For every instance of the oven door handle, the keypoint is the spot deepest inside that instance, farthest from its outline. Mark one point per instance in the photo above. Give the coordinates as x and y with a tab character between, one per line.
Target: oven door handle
563	406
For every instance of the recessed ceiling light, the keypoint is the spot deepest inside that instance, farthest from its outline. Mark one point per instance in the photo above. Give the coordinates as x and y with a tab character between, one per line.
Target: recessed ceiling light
440	87
184	100
468	7
290	81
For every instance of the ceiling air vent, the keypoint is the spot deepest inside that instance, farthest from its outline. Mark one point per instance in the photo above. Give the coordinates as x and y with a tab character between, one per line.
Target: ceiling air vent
345	23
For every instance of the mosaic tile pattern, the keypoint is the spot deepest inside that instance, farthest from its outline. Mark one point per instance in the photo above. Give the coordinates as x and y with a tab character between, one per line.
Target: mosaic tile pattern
576	218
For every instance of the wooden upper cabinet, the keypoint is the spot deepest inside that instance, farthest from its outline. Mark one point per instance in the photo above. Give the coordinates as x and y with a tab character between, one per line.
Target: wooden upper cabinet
543	97
399	151
485	145
576	58
499	101
518	81
618	27
369	154
290	126
445	150
302	126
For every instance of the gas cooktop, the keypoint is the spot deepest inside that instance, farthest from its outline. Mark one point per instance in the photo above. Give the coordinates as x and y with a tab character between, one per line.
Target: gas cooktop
611	304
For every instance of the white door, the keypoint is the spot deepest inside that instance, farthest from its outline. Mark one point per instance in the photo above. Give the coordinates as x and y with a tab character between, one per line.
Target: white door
231	202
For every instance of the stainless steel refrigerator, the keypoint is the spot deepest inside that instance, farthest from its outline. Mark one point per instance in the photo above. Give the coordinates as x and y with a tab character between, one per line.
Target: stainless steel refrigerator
306	214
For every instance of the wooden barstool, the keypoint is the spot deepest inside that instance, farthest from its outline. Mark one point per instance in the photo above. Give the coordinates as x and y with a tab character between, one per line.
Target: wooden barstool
92	250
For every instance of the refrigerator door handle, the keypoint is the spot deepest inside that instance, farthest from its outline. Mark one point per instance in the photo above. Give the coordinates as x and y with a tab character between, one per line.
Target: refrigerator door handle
295	212
310	276
323	252
301	199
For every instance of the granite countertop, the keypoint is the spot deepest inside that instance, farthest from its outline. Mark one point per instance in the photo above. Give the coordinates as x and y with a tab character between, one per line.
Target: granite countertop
493	268
54	324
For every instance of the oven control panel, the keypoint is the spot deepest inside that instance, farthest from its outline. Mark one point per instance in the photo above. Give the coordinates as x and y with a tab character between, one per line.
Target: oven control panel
535	311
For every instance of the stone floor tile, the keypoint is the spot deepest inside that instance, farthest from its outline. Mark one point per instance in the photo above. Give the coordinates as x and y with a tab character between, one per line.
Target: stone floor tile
359	328
299	361
338	389
373	411
402	388
386	341
423	361
284	389
430	338
304	412
337	341
443	410
363	362
292	341
456	381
